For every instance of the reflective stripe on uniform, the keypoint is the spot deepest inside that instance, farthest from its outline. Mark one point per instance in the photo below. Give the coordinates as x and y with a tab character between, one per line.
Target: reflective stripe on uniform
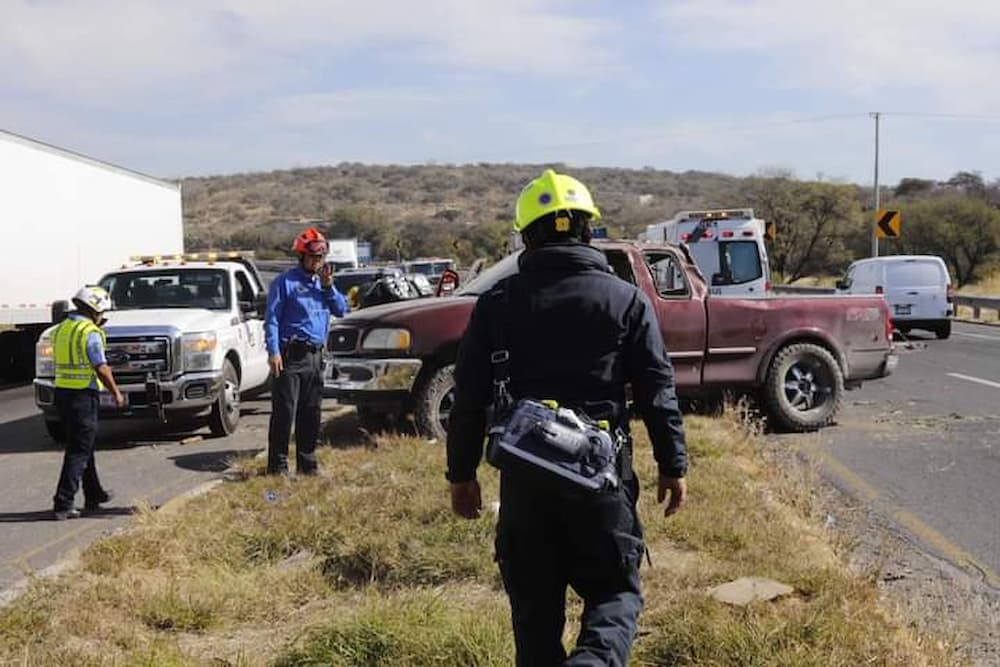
72	365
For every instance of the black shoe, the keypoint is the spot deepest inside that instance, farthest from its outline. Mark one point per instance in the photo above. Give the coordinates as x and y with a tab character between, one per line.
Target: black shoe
62	515
94	505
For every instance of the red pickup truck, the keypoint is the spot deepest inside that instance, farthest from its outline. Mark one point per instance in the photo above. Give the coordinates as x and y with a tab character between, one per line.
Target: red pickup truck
797	353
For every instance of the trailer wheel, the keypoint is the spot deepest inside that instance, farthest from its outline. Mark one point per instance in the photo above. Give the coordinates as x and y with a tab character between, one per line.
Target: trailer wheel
804	387
56	429
225	415
433	403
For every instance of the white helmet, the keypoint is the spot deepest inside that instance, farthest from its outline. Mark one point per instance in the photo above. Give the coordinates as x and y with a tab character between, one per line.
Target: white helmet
93	297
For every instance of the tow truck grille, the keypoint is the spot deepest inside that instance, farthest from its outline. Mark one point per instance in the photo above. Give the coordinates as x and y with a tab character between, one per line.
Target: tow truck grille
133	358
342	339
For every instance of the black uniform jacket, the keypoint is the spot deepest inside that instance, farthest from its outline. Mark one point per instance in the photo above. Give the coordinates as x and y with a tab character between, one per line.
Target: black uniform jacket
577	334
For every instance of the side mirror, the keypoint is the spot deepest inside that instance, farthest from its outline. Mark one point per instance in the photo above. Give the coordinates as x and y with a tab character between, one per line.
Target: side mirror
60	309
718	279
843	284
254	308
448	283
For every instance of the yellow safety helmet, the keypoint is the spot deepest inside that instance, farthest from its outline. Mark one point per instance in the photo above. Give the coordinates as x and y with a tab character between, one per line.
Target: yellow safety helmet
552	192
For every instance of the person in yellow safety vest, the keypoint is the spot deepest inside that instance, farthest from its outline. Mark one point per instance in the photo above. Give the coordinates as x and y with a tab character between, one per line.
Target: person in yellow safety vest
82	372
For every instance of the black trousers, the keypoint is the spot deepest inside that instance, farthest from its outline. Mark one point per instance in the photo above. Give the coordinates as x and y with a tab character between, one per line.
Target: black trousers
296	397
548	540
77	409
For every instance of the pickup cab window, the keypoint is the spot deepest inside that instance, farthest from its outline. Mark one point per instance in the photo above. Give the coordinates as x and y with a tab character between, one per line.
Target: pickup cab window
668	275
507	266
169	288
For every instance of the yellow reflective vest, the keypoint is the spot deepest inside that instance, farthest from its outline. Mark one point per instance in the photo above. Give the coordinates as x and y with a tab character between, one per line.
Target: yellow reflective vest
69	343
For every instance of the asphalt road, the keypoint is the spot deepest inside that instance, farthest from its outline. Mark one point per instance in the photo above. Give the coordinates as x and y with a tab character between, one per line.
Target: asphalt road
138	460
922	447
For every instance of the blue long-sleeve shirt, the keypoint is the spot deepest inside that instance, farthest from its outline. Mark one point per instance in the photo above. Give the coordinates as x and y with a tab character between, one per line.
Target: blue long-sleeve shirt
299	308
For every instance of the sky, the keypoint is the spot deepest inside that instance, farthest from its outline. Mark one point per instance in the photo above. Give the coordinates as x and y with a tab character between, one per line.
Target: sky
202	87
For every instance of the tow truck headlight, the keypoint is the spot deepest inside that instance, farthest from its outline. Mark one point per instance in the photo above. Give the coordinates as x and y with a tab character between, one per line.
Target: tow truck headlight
198	350
45	362
387	339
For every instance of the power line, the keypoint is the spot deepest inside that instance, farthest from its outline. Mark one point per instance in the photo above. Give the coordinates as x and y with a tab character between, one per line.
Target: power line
950	116
708	129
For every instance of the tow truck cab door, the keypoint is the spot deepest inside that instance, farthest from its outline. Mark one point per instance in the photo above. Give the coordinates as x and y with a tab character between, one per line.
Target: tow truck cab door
250	332
682	318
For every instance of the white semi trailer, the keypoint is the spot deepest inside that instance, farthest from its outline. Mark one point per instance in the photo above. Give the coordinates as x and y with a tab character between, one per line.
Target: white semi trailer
67	220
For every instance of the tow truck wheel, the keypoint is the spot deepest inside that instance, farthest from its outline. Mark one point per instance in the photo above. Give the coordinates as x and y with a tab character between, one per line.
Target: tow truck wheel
56	429
225	415
433	403
804	387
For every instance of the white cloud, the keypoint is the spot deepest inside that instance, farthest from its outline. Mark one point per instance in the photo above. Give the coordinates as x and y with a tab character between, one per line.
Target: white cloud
942	53
316	109
89	50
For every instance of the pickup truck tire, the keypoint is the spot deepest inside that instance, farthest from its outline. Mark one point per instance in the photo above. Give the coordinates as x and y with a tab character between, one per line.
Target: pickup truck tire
804	387
943	330
433	401
56	429
225	415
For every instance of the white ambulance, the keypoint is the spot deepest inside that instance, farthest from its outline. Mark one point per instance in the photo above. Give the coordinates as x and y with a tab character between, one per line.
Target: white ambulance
727	246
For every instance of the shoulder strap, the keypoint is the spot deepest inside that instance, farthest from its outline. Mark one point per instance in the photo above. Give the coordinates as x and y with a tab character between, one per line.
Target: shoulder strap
500	354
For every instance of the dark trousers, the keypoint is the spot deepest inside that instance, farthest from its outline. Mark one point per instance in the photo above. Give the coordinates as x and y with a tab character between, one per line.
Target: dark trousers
548	540
77	409
296	396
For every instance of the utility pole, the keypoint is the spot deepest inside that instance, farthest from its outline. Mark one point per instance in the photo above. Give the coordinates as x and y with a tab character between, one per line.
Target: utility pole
874	217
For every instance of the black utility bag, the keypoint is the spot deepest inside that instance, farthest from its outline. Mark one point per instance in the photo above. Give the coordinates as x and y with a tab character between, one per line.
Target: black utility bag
542	441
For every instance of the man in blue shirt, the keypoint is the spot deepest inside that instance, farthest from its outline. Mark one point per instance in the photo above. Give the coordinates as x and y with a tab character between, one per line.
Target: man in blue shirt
298	318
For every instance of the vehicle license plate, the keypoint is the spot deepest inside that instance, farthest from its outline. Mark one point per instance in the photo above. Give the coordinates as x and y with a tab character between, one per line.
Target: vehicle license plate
903	309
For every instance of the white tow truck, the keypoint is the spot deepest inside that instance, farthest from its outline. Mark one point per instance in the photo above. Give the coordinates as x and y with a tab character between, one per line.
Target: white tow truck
727	246
185	338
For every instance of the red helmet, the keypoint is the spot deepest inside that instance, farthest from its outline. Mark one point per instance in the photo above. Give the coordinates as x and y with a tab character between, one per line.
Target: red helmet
310	242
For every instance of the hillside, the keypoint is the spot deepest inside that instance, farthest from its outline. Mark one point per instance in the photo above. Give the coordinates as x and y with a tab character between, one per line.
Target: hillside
434	202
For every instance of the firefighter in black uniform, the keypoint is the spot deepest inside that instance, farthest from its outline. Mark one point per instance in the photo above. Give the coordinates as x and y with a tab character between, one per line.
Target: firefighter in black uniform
576	334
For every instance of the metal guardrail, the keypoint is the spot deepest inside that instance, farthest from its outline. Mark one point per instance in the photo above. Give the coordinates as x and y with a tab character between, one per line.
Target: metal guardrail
978	303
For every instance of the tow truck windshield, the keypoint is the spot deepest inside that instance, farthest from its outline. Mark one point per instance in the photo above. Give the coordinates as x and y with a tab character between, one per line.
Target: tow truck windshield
169	288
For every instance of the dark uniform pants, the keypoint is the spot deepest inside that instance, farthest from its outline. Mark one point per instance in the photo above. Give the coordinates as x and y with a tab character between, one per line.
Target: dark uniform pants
548	540
296	395
77	409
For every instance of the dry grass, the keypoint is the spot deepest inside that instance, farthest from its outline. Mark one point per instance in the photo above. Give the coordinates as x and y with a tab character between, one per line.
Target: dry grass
366	566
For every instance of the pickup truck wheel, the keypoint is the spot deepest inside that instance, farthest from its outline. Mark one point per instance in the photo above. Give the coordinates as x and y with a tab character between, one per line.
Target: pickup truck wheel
56	429
804	387
433	403
943	330
225	415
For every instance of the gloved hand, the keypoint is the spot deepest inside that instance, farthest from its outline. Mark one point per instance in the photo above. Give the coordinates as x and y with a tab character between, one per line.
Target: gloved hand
466	500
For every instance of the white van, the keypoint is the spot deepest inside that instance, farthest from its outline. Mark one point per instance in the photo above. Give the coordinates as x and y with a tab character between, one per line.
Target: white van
916	287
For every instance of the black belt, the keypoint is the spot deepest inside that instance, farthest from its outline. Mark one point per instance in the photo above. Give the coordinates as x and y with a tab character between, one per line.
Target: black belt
303	345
